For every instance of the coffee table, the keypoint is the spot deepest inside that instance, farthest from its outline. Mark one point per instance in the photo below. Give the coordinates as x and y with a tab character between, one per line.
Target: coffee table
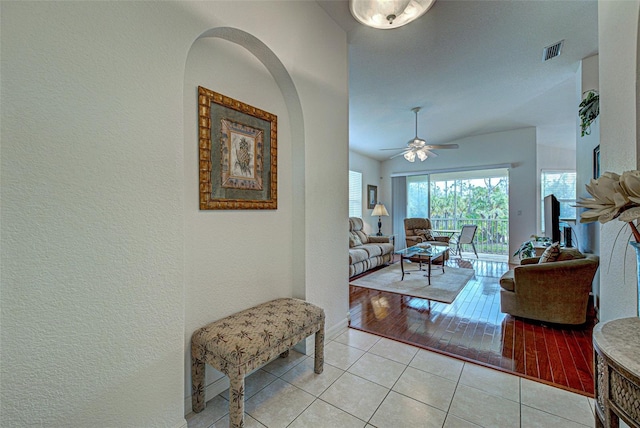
424	255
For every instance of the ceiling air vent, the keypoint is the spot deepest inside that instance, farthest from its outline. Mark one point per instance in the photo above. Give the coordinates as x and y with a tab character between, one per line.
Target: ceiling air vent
552	51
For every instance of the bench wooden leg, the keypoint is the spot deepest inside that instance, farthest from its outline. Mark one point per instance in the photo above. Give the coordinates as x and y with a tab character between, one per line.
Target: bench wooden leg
318	364
197	385
236	400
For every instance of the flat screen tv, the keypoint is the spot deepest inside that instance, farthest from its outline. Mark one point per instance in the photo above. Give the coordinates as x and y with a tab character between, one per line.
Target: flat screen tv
552	218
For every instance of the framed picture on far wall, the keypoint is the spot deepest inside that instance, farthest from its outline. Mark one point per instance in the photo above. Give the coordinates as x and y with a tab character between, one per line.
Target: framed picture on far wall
596	162
372	196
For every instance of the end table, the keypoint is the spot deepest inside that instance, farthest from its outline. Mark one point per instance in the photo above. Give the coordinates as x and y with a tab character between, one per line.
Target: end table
616	353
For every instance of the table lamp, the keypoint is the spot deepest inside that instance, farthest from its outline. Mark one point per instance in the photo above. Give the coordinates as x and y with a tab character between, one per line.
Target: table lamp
380	211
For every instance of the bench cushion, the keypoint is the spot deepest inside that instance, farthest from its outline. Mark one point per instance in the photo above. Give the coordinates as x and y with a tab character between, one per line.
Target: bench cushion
241	339
246	340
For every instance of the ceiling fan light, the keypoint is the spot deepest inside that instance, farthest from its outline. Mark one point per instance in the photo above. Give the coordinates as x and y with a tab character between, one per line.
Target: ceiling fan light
410	156
388	14
422	155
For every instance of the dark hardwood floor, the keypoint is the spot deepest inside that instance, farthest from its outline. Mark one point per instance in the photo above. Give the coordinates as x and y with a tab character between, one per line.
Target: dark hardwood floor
472	328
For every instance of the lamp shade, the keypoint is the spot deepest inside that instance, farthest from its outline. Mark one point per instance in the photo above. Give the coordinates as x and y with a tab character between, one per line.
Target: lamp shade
388	14
379	210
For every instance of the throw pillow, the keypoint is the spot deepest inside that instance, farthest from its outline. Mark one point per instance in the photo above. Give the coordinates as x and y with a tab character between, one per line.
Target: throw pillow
426	233
354	240
569	254
551	254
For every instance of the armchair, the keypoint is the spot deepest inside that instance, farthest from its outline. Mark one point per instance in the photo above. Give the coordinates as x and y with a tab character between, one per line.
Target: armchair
413	232
555	292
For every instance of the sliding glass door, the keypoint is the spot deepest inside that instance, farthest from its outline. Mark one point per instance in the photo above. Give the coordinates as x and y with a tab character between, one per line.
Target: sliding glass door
451	200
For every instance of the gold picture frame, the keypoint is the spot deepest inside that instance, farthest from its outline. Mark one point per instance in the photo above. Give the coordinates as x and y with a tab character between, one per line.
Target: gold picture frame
238	151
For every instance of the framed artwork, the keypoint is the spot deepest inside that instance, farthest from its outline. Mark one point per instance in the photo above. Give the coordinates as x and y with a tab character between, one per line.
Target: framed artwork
372	196
238	154
596	162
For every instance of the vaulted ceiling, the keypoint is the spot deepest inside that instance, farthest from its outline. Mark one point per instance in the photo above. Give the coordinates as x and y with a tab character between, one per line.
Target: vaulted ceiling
475	67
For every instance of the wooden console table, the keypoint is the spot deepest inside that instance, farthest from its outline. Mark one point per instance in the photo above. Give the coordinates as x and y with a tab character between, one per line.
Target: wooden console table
616	350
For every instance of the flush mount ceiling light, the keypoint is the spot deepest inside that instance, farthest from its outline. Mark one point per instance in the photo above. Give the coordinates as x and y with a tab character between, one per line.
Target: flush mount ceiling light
387	14
417	147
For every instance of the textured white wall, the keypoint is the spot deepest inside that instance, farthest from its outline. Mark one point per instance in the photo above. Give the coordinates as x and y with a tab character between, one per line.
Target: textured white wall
96	202
618	55
517	148
92	259
587	235
588	79
551	157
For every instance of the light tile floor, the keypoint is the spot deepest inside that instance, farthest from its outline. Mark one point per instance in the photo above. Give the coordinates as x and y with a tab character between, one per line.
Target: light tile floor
370	381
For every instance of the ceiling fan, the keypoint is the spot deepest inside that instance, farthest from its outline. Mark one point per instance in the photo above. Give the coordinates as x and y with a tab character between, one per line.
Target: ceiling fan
417	147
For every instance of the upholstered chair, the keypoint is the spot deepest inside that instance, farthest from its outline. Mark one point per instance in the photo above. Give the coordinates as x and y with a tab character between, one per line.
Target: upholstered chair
554	292
414	232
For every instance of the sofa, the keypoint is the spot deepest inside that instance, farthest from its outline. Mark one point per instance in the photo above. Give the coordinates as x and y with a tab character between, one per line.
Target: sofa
366	251
554	292
418	230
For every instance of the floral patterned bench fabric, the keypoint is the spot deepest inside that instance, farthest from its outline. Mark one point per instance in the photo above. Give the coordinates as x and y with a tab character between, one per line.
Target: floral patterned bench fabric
244	341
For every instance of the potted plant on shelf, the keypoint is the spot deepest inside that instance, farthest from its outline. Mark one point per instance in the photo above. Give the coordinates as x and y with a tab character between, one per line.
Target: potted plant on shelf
525	251
588	110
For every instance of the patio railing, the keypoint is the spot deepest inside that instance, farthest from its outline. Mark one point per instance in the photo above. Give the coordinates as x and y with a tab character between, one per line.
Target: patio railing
492	236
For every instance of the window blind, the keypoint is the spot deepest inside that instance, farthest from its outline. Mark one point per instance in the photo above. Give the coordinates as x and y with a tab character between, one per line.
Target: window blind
355	194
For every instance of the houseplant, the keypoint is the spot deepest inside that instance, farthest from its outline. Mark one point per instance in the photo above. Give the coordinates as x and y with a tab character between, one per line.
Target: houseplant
588	110
526	250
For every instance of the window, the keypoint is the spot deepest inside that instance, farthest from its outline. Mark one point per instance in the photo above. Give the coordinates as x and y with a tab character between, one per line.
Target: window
355	194
418	196
561	184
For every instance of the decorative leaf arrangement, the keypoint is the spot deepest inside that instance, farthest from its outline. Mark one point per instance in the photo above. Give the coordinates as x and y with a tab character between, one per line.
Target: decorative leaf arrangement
613	197
588	110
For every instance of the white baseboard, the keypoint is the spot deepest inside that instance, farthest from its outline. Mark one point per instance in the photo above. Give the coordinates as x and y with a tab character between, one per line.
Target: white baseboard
337	329
306	347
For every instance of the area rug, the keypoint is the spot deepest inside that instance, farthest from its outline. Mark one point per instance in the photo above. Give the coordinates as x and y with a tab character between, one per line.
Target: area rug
444	287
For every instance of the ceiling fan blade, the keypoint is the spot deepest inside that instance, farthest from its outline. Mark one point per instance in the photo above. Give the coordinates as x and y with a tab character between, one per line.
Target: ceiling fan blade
430	153
441	146
397	148
399	154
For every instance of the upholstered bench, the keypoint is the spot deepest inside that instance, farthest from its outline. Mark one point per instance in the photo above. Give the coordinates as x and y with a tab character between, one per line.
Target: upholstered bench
244	341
